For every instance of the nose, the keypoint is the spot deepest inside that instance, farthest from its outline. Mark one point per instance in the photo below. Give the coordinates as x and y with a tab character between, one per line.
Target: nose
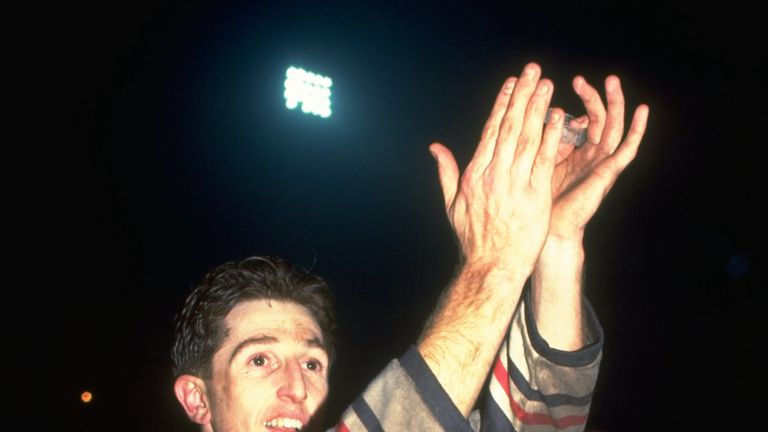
293	387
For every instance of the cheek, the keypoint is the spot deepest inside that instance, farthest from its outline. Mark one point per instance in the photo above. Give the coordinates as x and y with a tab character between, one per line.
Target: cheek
245	399
318	389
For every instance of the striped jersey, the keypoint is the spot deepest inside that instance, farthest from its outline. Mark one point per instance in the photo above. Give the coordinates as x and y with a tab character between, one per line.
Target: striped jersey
531	387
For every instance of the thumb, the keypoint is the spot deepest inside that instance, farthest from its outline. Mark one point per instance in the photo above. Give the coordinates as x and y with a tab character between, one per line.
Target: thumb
563	151
447	170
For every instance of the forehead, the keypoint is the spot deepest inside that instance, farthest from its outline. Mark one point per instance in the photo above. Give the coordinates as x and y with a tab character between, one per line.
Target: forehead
284	320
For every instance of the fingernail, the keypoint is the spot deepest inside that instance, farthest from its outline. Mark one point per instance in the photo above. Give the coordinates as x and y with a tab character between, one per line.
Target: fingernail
613	82
579	83
509	86
530	71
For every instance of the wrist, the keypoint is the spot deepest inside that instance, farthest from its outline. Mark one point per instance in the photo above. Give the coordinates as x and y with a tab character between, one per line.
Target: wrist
486	274
558	250
557	293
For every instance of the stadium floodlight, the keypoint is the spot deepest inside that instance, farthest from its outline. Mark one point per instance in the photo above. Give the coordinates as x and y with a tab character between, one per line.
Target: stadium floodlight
310	90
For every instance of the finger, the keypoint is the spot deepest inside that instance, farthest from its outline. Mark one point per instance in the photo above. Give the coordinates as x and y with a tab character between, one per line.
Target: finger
512	122
563	151
628	150
447	171
612	167
580	122
595	108
614	124
544	164
530	137
484	151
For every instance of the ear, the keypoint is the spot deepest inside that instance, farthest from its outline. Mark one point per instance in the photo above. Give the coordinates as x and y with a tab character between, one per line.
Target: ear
193	397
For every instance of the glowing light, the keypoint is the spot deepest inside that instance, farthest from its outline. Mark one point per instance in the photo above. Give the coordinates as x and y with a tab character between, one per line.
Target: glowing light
310	90
86	397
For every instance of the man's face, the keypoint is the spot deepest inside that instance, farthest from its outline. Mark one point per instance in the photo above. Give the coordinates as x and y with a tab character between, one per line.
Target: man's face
271	373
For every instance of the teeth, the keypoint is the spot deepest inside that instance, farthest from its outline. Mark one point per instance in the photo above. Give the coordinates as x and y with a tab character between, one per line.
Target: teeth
282	422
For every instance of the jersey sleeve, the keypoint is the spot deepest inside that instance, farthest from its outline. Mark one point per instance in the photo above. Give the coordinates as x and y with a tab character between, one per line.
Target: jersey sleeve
405	396
534	387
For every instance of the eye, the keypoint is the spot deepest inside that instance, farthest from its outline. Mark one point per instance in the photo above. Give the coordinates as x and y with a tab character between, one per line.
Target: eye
263	363
314	365
259	360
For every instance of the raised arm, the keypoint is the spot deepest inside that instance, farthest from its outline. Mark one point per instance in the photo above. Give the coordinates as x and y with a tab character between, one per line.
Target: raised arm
500	210
581	180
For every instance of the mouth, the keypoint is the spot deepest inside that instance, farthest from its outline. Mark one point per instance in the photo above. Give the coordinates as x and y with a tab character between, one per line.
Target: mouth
284	424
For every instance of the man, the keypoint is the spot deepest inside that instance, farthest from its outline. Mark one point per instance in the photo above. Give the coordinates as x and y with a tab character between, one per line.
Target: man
253	346
519	210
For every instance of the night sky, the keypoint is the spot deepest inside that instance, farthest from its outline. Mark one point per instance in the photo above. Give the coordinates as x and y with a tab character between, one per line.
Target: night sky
157	146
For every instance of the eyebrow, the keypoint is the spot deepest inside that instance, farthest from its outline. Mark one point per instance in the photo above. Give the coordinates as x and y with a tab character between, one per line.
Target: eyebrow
266	339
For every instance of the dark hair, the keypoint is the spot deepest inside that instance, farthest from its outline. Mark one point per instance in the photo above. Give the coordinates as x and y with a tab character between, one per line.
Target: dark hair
199	329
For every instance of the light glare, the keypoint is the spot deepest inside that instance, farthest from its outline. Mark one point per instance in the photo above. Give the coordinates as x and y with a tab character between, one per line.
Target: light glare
86	396
308	89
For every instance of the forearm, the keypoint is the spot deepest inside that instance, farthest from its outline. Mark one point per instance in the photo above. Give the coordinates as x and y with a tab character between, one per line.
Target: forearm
461	339
557	293
535	387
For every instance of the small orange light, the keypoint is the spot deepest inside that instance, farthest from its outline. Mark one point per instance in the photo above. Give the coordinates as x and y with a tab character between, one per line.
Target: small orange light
86	397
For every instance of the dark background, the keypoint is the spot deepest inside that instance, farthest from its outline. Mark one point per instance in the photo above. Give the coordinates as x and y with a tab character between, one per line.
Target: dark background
156	145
